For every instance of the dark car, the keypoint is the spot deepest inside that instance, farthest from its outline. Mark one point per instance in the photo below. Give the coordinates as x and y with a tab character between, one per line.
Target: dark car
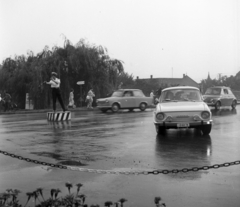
219	96
124	99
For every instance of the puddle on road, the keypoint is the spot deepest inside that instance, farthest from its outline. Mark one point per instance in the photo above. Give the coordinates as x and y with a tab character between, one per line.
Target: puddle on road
60	158
48	154
72	163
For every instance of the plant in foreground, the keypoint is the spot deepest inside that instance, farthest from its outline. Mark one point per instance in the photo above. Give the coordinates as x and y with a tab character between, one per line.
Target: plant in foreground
108	203
69	186
9	199
157	202
122	201
40	192
79	185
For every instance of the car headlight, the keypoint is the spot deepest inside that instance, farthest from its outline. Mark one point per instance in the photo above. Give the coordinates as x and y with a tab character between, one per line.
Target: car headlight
205	115
160	116
106	100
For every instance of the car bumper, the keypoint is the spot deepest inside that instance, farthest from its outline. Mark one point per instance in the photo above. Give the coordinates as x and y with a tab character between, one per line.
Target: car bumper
183	124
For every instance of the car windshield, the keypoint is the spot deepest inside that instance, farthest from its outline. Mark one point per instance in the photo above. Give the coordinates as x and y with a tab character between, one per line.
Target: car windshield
117	94
176	95
213	91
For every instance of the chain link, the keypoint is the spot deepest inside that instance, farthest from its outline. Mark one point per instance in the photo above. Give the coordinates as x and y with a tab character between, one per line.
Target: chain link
154	172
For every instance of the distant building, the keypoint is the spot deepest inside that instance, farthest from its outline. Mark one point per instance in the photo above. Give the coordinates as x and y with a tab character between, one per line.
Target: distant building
168	82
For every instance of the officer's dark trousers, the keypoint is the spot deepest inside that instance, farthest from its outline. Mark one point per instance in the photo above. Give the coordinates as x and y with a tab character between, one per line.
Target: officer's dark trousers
6	106
57	95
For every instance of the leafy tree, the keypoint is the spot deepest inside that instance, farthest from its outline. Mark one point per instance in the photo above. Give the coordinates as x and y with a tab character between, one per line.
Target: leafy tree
82	62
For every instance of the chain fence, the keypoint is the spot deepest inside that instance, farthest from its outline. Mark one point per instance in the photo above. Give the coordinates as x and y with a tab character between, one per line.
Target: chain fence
135	172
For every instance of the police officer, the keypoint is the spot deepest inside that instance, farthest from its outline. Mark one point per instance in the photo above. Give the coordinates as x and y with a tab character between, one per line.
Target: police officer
56	94
7	100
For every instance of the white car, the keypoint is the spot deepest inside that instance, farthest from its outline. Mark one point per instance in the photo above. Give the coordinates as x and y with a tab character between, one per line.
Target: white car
125	99
182	107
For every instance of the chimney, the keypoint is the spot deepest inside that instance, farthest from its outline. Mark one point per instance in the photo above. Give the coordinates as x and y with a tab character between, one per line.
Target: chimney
151	76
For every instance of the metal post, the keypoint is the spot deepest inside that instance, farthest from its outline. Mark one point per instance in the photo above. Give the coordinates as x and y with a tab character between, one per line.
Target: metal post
81	96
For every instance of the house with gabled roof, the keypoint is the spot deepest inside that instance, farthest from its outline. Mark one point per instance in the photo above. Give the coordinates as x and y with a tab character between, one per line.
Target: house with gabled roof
168	82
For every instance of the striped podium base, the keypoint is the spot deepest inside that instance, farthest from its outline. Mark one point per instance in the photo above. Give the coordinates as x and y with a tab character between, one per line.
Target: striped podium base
59	116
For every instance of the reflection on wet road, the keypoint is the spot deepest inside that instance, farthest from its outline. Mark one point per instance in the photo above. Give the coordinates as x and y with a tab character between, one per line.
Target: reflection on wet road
181	150
123	141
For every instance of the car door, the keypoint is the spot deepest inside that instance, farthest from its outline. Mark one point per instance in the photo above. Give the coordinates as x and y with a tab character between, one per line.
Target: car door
128	100
140	97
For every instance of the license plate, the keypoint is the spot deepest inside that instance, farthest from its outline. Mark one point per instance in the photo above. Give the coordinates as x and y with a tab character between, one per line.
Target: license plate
183	125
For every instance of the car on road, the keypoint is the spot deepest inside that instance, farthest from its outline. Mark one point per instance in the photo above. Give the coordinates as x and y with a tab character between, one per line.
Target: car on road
218	96
125	99
182	107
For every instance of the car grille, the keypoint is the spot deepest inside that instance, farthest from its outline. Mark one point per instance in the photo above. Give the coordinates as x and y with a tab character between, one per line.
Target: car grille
183	117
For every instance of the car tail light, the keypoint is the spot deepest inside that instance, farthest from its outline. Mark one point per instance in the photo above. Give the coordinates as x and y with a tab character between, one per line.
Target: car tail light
160	116
205	115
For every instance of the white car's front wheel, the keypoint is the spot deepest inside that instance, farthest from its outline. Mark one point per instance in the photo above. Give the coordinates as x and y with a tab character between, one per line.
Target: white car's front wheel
234	104
160	129
206	129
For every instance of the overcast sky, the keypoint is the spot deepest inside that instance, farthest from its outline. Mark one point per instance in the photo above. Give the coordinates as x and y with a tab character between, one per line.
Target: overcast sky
163	38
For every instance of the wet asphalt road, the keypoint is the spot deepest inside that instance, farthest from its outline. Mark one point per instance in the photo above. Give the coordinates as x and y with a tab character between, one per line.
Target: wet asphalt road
125	141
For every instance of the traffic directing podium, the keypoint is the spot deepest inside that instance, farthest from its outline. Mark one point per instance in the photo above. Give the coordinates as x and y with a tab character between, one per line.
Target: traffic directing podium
59	116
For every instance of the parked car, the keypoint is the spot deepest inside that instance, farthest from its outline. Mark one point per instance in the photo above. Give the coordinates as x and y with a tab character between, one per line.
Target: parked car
182	107
125	99
218	96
